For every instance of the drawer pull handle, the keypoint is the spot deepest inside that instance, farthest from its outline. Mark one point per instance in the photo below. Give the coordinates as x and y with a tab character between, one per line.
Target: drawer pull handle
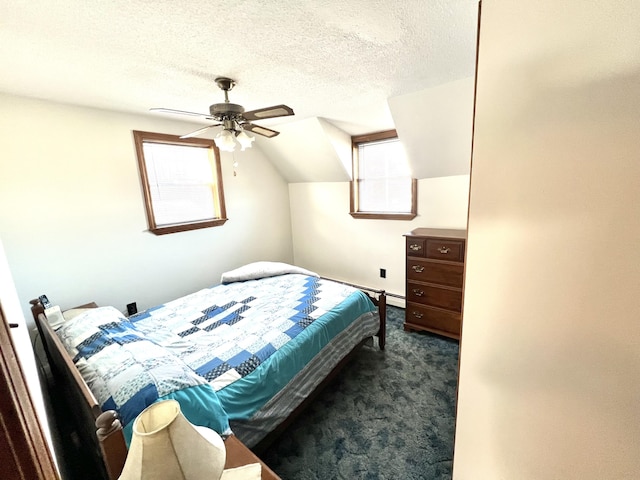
415	247
418	314
444	250
417	292
418	268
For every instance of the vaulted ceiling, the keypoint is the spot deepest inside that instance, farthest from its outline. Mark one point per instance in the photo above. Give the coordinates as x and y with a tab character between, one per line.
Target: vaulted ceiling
338	64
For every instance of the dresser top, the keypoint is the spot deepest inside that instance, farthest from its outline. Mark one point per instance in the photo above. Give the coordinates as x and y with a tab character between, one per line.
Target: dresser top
437	232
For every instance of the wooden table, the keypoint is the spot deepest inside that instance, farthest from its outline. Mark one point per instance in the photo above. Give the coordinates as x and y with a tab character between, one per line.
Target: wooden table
238	455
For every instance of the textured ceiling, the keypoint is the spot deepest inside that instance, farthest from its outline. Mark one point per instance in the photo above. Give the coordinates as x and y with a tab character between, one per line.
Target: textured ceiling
336	59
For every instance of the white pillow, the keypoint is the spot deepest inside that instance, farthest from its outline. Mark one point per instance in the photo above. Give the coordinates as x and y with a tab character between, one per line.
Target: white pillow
253	271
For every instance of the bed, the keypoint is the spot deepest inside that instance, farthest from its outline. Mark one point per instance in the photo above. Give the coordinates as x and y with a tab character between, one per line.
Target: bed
243	357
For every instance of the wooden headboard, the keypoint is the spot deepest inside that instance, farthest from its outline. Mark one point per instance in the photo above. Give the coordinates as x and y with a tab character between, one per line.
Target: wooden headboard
104	458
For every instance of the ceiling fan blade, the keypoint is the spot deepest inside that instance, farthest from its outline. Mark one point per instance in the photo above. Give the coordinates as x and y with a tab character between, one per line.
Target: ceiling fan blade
268	112
199	131
265	132
182	112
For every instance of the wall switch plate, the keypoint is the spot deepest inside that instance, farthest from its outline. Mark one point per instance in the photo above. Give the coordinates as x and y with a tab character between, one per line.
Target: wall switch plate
383	273
132	308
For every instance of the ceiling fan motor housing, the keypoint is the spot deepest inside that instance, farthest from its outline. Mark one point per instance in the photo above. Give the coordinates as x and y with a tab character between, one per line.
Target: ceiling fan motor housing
226	110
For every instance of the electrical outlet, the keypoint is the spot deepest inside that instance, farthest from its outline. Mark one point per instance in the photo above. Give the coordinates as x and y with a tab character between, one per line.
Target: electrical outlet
132	308
383	273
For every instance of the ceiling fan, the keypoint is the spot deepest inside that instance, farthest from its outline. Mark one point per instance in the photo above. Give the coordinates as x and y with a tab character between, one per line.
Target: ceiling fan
234	120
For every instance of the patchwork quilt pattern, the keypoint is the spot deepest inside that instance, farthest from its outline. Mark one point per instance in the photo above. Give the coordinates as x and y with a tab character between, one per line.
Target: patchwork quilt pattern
125	371
226	332
210	338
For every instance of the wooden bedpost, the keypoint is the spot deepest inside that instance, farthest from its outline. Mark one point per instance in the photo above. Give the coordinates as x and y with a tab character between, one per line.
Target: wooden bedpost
112	444
382	311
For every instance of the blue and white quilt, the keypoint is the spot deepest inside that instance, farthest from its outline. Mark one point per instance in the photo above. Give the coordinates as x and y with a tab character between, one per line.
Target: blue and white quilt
222	352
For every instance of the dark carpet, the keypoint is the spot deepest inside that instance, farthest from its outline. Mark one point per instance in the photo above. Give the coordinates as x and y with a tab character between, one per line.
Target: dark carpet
388	415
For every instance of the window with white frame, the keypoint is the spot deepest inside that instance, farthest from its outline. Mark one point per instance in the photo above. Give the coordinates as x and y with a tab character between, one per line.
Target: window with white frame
382	186
182	182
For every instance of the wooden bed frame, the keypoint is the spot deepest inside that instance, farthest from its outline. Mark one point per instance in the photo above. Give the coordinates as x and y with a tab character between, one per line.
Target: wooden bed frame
99	434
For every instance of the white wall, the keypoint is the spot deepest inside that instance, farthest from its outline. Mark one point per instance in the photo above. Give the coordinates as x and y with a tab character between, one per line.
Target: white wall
435	127
72	213
550	365
310	150
329	241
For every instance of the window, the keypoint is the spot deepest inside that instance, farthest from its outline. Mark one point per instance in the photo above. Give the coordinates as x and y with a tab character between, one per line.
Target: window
382	186
182	182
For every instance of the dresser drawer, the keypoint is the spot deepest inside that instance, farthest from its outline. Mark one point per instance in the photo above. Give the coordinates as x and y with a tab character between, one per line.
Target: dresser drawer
443	297
416	247
435	272
432	319
442	249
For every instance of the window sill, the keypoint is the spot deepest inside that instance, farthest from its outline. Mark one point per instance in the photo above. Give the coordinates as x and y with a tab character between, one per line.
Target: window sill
384	216
187	226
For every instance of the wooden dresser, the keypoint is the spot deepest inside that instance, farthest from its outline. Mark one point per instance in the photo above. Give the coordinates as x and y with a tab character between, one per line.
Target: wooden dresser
435	272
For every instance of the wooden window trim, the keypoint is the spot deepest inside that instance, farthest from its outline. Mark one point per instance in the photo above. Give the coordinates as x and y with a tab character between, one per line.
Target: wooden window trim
353	194
139	138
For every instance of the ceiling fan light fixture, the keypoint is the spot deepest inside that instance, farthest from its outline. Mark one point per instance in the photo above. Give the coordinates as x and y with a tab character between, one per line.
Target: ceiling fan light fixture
224	141
244	140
